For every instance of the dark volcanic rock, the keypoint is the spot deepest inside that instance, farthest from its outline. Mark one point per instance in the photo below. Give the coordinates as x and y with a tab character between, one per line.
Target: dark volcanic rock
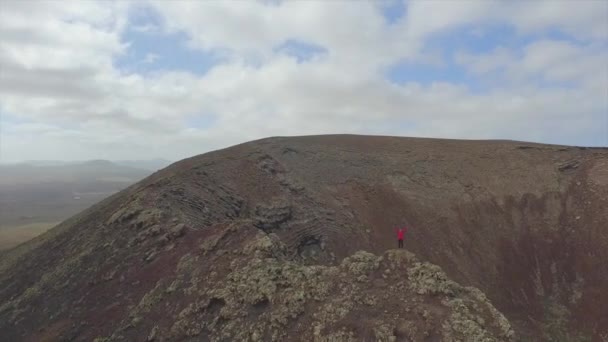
292	239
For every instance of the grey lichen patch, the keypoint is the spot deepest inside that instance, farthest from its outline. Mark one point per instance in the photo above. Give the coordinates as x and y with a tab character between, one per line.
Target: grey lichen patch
384	332
397	258
124	214
188	274
342	335
265	245
7	306
153	334
212	242
148	302
426	278
174	286
186	264
136	217
464	324
499	321
178	230
334	310
361	263
203	314
472	317
102	339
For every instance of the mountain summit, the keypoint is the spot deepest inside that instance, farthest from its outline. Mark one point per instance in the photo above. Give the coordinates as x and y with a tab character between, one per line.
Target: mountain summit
293	239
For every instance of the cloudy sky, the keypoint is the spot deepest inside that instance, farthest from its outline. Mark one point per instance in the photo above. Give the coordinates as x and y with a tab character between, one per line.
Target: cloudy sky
147	79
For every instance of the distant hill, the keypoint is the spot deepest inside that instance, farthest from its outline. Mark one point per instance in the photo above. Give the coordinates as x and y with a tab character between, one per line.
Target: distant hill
293	239
150	164
24	174
49	162
146	164
46	192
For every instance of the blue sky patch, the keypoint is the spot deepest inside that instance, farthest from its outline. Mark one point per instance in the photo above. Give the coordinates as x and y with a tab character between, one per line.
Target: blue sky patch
393	10
201	121
550	34
152	49
426	74
474	39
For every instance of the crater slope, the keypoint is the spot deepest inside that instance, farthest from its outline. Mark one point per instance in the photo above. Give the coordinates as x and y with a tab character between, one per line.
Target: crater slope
292	239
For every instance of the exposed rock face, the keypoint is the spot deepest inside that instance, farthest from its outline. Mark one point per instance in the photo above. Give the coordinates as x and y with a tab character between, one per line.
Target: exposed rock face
292	239
262	295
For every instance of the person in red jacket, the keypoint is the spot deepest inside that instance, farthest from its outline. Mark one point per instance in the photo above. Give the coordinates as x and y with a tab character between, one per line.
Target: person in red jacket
400	233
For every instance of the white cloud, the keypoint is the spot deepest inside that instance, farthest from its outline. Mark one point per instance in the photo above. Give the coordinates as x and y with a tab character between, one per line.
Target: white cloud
550	61
147	28
585	19
58	76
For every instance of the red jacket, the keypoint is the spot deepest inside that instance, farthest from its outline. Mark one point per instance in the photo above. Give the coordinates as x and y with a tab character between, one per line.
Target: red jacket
401	232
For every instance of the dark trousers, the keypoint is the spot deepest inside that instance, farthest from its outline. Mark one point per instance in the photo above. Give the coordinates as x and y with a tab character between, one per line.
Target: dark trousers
400	243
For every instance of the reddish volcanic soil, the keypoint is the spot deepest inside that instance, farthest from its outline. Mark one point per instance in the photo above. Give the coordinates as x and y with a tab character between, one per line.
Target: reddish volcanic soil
174	256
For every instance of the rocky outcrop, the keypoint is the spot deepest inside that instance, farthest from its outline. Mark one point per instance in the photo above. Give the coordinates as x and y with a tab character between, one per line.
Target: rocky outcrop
263	296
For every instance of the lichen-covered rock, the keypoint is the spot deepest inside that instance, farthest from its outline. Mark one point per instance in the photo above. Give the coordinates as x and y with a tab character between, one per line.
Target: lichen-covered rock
265	245
497	318
361	263
264	295
426	278
177	231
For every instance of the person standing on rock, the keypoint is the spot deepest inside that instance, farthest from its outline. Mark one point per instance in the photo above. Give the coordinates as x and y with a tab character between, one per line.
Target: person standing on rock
400	233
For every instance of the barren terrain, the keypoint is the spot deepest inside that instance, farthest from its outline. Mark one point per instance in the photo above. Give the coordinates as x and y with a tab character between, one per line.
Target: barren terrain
292	239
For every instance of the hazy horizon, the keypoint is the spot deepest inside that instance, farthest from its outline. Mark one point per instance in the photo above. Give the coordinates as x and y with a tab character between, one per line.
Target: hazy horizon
53	162
146	79
77	161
